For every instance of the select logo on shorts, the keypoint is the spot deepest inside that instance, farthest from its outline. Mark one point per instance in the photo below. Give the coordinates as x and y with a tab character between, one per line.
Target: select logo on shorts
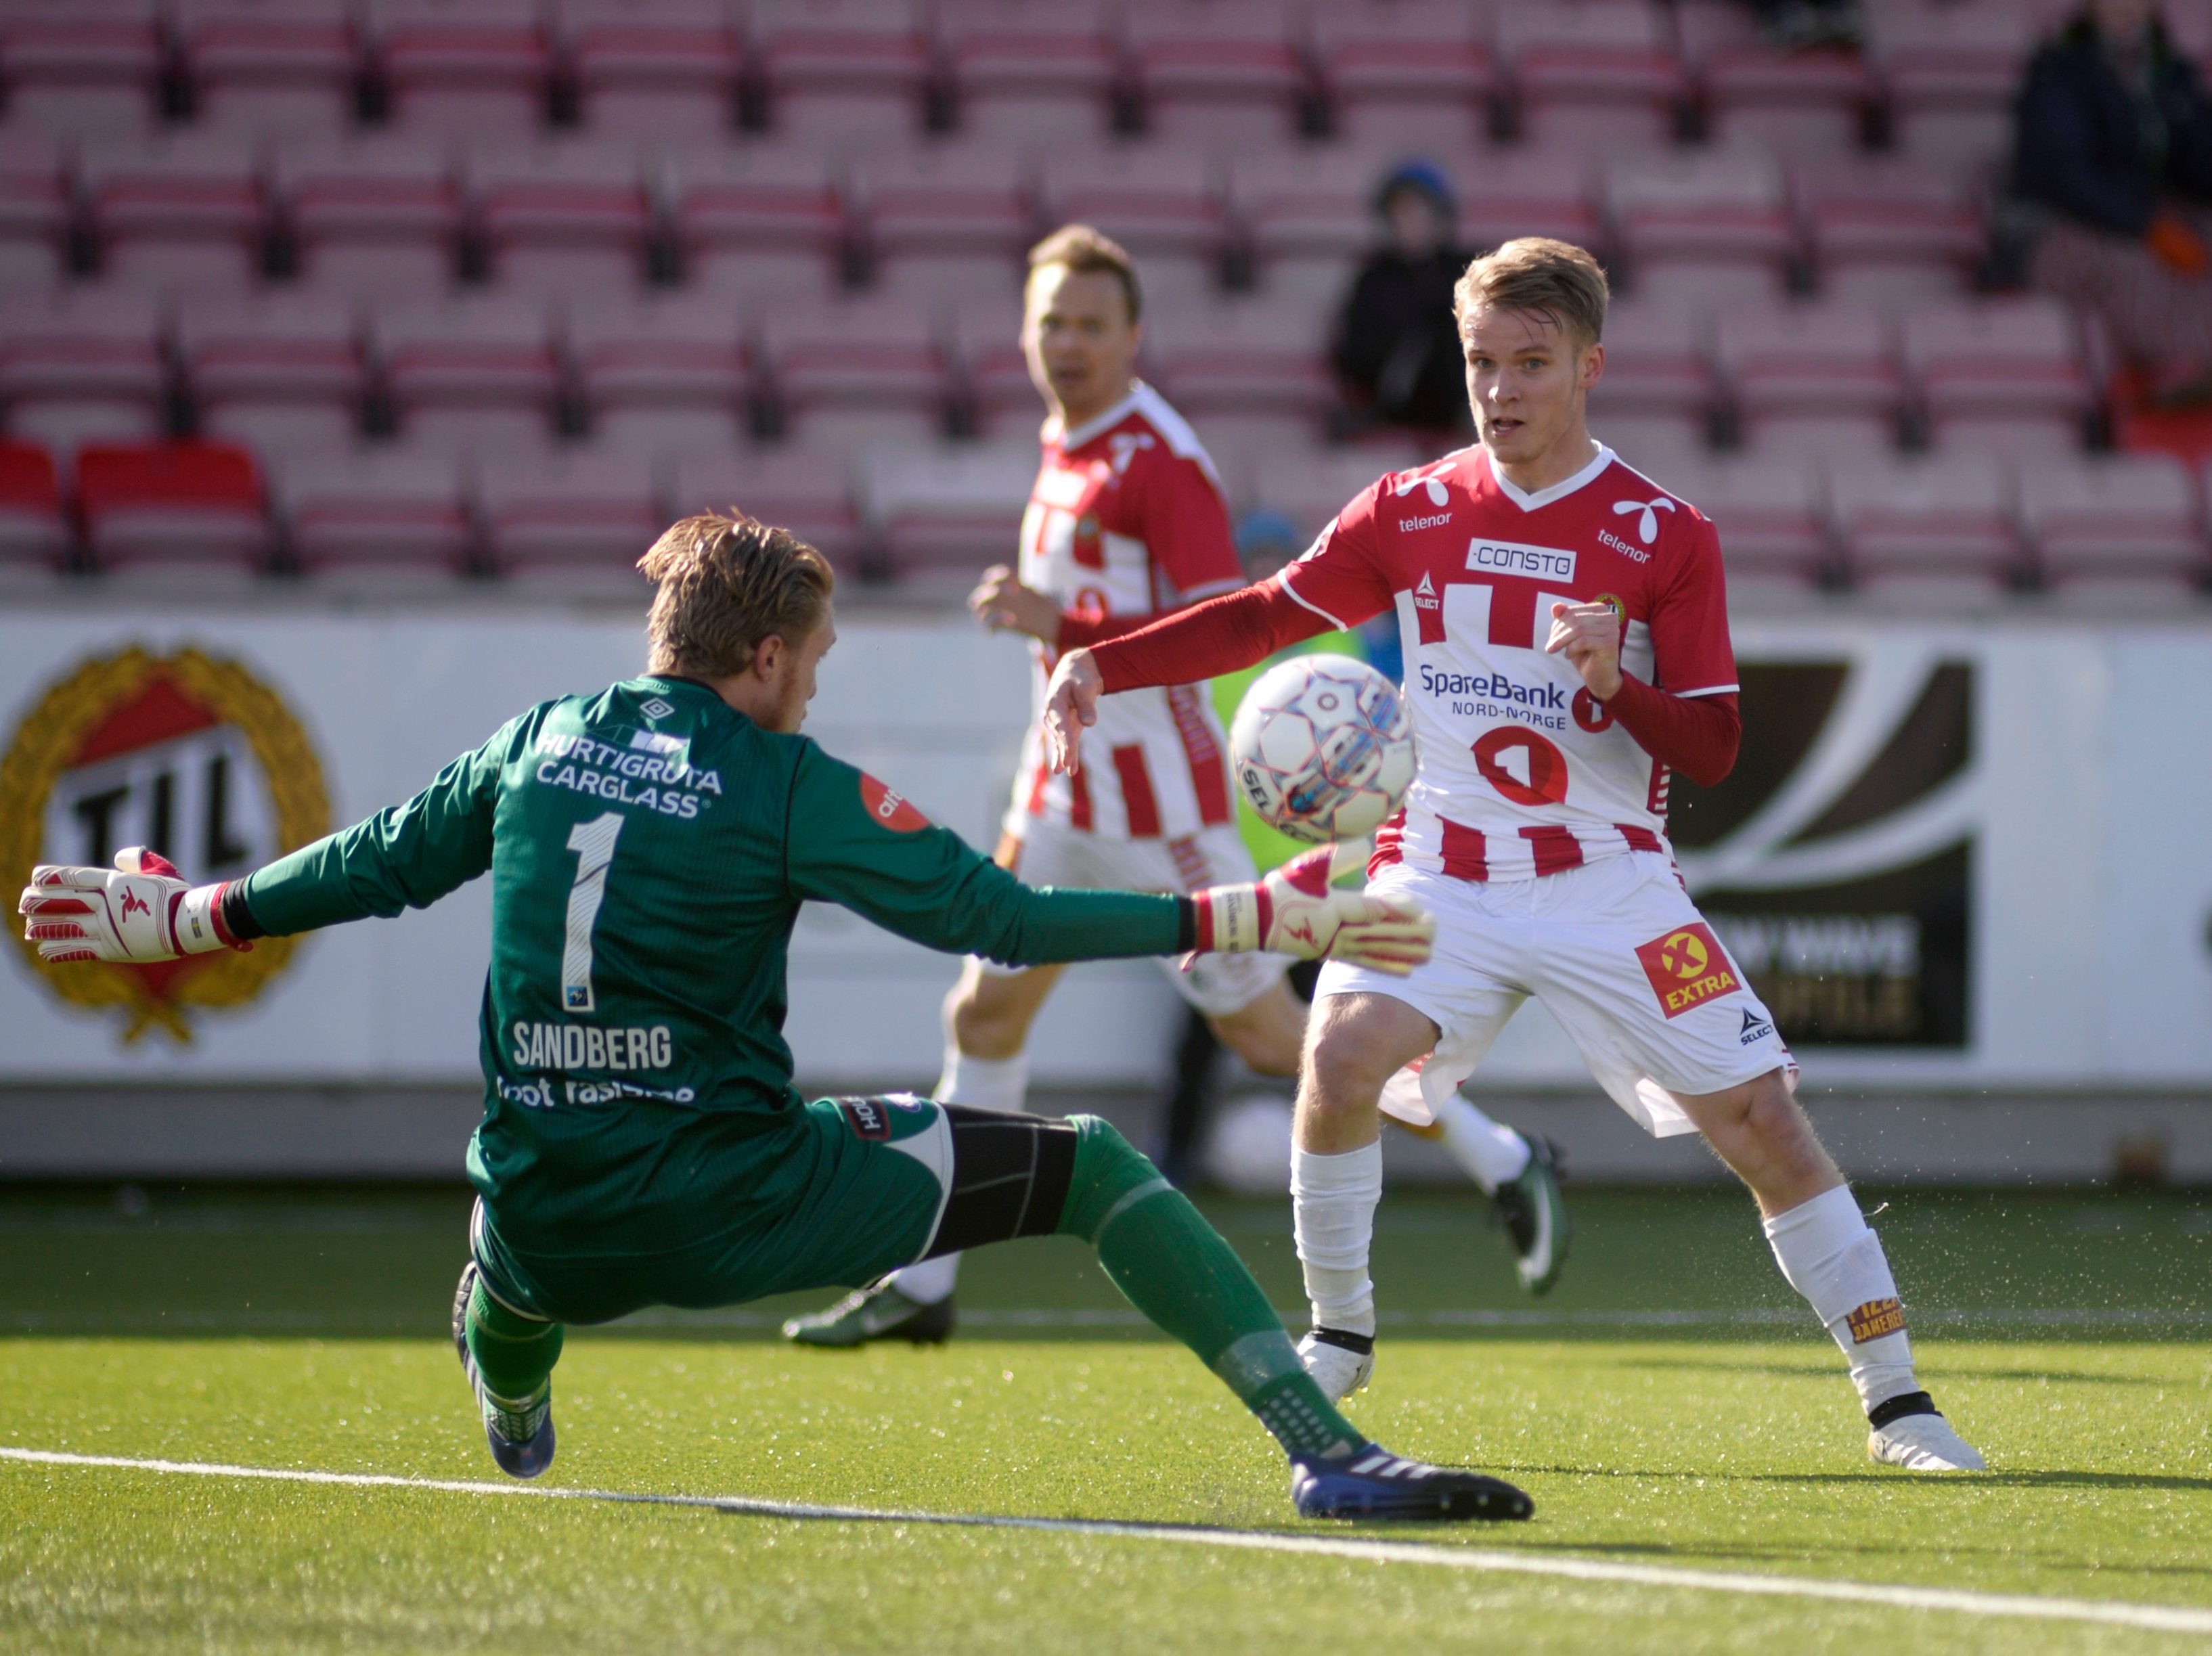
1755	1028
1688	968
889	809
867	1117
1875	1319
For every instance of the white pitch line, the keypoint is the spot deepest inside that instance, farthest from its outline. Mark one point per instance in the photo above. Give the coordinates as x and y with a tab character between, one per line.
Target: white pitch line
2157	1618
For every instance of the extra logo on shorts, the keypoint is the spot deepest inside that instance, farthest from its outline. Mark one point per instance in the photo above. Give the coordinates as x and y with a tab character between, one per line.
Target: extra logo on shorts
1875	1319
1688	968
868	1118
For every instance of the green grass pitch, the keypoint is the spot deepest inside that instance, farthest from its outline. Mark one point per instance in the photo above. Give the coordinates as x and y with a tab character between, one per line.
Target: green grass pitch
1667	1406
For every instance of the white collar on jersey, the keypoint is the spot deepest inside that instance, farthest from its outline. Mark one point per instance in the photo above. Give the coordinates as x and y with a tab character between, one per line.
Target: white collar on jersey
1558	491
1097	423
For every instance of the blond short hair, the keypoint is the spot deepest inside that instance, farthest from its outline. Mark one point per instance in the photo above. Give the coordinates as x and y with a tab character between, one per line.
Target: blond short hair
1554	279
726	583
1090	252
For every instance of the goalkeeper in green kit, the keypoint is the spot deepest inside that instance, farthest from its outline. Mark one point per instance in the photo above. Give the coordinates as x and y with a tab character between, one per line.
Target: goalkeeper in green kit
642	1144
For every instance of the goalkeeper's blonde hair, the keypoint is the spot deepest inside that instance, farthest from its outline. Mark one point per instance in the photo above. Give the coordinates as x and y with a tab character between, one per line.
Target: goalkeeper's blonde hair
726	583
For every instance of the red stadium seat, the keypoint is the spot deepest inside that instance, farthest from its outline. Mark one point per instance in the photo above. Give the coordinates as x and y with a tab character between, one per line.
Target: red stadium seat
1768	512
32	527
35	210
1214	68
384	507
1311	486
377	215
81	363
1149	197
2123	516
1306	202
806	490
664	70
683	351
2008	367
570	508
1389	65
993	375
945	504
565	217
196	503
188	210
843	68
283	368
466	358
473	70
1819	360
1027	70
1593	73
1657	362
1526	192
1686	218
1247	356
870	353
270	67
760	205
1952	72
1944	516
946	198
81	69
1883	225
1809	103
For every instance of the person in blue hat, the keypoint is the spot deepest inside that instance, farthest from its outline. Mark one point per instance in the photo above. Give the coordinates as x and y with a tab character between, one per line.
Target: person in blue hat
1397	352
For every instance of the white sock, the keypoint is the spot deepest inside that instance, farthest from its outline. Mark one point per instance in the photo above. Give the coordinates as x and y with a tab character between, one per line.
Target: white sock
1492	1152
983	1083
1831	1256
930	1281
1332	1201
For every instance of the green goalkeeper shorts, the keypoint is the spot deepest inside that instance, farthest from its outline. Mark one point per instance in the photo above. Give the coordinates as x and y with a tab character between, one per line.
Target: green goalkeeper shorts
849	1190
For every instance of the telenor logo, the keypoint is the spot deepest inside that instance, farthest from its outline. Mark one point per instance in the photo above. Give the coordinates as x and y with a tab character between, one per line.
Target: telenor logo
1647	526
889	809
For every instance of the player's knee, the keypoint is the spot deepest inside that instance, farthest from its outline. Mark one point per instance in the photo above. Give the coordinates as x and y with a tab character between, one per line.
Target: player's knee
1341	1070
1109	1171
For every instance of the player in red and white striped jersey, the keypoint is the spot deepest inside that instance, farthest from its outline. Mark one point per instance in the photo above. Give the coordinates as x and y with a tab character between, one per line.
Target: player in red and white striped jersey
1125	524
1566	645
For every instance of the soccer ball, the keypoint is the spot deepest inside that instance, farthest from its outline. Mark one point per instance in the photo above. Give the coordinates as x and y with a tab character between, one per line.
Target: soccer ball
1323	748
1249	1151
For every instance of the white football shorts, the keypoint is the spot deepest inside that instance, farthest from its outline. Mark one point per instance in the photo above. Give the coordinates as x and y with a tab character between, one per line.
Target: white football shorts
1053	853
1616	952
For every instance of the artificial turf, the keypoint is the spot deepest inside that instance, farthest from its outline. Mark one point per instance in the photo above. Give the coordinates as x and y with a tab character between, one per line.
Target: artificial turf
2063	1332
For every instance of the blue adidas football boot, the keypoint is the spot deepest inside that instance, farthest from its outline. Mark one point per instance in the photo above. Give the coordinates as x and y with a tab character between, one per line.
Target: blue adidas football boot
521	1438
1372	1483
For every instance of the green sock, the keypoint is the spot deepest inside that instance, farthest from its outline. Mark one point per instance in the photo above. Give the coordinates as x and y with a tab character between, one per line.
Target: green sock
514	1354
1177	1269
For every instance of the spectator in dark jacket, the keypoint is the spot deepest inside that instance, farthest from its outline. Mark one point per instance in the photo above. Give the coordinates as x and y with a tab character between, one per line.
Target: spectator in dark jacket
1397	352
2114	153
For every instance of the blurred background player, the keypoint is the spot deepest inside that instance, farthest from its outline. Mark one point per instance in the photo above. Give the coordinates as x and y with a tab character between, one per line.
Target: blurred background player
1126	524
1566	634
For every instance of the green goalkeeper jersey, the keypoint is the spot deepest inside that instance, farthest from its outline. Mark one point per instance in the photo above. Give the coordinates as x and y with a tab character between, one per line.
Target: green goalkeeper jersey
649	847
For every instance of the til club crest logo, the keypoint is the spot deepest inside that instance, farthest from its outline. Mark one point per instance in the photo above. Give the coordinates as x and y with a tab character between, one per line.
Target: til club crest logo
186	753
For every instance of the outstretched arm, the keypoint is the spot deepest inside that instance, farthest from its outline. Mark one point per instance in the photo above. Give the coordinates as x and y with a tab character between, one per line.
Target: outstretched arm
1221	635
855	843
407	857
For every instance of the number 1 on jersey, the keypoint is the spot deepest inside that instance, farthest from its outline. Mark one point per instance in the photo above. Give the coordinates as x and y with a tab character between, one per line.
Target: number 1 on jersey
593	842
